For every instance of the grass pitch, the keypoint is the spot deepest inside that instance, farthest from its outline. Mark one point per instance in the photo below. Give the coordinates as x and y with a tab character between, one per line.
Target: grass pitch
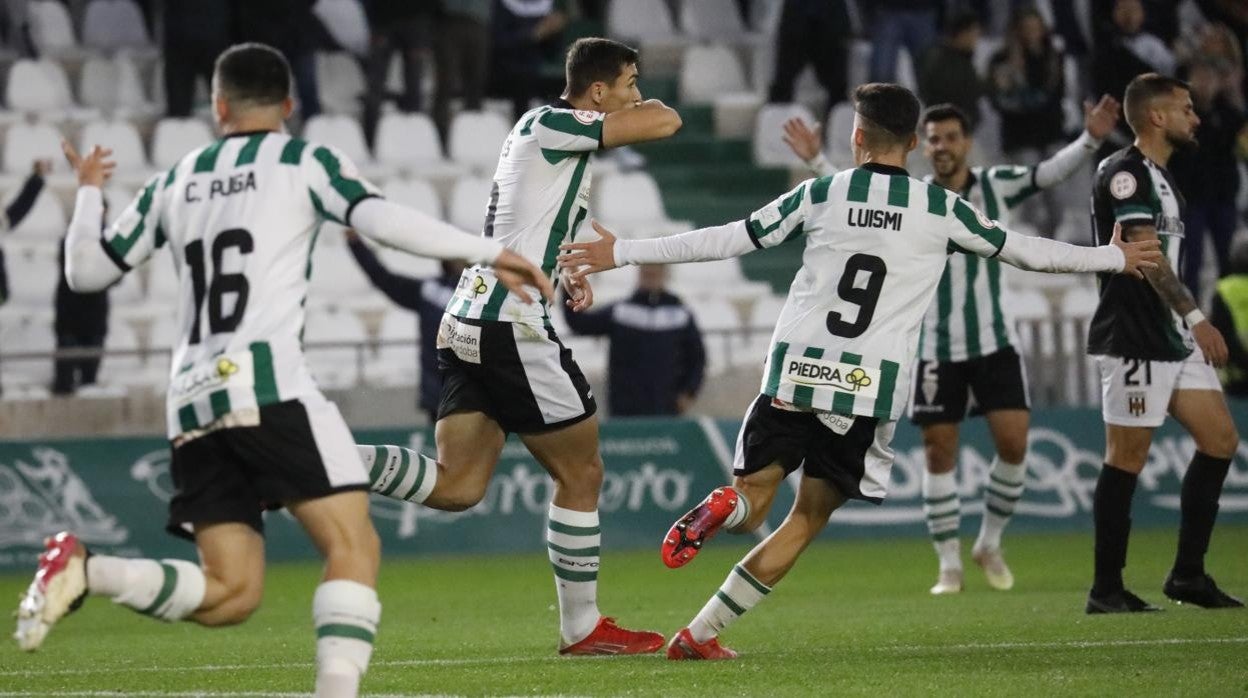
854	617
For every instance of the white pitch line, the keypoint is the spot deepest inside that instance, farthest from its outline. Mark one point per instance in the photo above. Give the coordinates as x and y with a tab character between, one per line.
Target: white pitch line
1069	644
123	669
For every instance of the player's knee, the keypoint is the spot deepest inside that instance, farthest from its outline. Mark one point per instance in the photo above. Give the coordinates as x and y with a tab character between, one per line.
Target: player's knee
583	478
1221	443
940	458
462	496
1012	450
241	599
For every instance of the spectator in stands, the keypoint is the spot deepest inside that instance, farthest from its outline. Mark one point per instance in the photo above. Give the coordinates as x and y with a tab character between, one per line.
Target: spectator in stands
395	25
425	297
523	34
814	32
461	49
1026	83
947	74
194	36
1230	316
16	211
656	359
897	23
290	27
1208	175
81	323
1124	51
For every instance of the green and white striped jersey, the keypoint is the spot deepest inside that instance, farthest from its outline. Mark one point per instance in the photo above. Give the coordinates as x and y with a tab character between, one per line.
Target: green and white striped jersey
876	242
241	215
540	197
971	316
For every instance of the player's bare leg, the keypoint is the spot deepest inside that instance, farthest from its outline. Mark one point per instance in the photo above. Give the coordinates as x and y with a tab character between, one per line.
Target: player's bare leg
758	572
1001	493
1126	450
573	538
941	504
469	445
1205	416
345	608
739	508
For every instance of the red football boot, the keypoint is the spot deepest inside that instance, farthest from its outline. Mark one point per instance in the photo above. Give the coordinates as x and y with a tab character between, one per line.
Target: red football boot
683	646
687	535
609	638
59	587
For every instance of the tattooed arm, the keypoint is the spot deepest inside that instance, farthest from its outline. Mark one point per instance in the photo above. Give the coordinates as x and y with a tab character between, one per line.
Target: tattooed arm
1167	285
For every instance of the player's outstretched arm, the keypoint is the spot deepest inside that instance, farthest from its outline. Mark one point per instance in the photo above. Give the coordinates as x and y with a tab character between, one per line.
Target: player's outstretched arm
1041	254
649	121
88	267
416	233
807	144
1166	283
608	252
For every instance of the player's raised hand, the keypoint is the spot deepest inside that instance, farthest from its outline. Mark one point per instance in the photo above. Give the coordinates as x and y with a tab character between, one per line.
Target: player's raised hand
1100	119
1211	343
94	169
803	140
580	293
1137	256
584	258
516	272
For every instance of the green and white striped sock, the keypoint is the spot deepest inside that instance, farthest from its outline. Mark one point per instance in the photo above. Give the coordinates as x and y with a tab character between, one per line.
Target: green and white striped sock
166	589
399	473
739	593
346	615
944	517
573	539
1005	488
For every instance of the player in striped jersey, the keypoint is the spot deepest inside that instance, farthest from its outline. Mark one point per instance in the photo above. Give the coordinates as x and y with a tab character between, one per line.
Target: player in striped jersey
967	356
838	371
1153	346
248	426
504	368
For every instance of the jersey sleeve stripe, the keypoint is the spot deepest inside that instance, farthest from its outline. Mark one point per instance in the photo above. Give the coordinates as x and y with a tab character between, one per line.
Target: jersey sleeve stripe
899	191
292	152
775	368
173	174
247	154
1132	211
351	207
349	189
265	382
804	395
755	229
937	200
1010	172
207	160
888	385
122	244
843	403
970	221
1021	196
859	185
120	261
321	210
187	418
819	190
566	123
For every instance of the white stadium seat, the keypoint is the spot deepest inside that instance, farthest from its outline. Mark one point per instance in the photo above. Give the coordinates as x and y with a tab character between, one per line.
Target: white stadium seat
332	368
476	138
33	273
770	150
26	142
631	205
836	133
469	199
708	72
38	86
341	132
416	193
395	364
51	28
340	82
766	312
46	221
346	22
123	138
113	85
707	20
174	138
408	141
109	25
639	20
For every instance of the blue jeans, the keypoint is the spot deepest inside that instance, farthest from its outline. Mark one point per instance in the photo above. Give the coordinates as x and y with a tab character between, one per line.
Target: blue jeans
1213	219
915	29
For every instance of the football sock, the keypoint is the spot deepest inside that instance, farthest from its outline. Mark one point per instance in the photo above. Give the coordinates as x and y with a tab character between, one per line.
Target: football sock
399	473
739	593
1202	486
346	614
572	542
165	589
1111	512
1005	488
944	516
739	513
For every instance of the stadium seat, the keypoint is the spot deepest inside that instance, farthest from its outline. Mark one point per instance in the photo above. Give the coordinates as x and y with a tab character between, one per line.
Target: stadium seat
394	363
34	271
346	22
766	312
26	142
38	86
631	206
836	134
51	28
343	133
157	91
640	20
336	278
416	193
334	368
720	324
174	138
128	294
23	332
469	198
113	86
1082	384
707	20
1034	315
123	138
109	25
46	221
162	280
722	279
770	150
340	82
122	336
708	72
409	142
476	138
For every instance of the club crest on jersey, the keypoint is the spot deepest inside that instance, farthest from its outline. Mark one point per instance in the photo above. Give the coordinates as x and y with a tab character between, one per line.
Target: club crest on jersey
983	220
585	116
1122	185
846	378
1135	403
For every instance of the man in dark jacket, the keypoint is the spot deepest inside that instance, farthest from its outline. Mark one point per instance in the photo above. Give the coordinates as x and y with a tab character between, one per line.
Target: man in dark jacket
656	359
425	297
81	323
17	210
947	72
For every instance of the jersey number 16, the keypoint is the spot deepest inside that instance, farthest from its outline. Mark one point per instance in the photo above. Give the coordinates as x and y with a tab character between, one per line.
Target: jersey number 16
220	284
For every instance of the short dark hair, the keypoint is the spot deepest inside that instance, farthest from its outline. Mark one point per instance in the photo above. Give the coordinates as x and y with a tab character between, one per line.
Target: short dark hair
594	59
1141	92
946	112
889	111
252	72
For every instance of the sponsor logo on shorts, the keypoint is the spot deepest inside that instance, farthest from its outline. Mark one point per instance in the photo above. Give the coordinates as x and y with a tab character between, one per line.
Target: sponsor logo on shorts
1135	403
839	424
816	373
461	338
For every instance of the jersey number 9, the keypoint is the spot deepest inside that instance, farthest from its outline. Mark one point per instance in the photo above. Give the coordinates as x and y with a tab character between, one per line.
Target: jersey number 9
220	285
865	298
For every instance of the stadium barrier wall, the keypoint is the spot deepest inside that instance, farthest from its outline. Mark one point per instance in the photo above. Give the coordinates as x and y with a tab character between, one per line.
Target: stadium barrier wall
113	491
